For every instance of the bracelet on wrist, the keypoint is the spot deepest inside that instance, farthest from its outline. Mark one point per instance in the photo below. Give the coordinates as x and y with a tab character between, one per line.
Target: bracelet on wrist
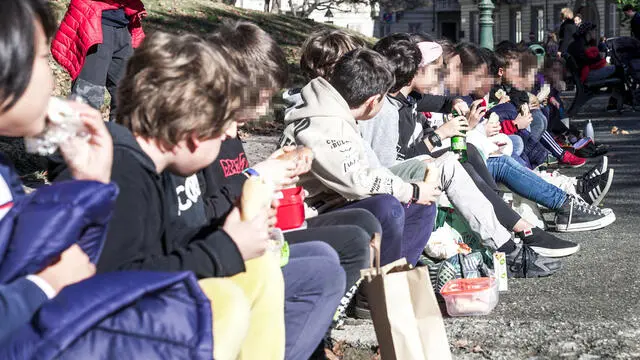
249	172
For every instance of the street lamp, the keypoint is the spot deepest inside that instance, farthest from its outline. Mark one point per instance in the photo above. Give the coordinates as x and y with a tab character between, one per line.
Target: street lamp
486	23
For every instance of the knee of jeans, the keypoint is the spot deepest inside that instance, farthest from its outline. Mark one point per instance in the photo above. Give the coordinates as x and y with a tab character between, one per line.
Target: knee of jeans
328	275
366	221
359	244
388	208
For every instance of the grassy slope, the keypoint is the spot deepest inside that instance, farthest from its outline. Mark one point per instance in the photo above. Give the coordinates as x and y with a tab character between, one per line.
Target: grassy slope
203	16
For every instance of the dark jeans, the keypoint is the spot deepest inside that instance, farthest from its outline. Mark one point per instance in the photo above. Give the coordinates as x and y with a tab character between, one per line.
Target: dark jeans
104	65
348	232
314	283
405	230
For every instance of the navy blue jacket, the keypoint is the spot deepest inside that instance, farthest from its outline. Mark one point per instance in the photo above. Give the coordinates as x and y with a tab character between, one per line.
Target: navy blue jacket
19	300
144	315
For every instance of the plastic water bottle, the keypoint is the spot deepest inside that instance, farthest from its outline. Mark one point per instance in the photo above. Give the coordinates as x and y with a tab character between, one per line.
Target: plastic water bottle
588	131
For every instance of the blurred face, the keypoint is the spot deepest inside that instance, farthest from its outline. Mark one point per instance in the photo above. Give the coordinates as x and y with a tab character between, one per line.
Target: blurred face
629	13
512	71
192	155
453	75
473	81
253	113
27	116
427	78
486	84
528	80
577	20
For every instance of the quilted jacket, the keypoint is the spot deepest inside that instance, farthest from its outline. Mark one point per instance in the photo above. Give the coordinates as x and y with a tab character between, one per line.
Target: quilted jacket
118	315
81	28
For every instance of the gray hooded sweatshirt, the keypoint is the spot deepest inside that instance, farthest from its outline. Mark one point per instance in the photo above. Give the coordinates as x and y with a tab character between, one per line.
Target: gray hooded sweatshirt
342	169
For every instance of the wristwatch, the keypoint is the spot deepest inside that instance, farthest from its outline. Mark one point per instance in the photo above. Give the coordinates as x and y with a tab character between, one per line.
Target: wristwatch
434	139
416	193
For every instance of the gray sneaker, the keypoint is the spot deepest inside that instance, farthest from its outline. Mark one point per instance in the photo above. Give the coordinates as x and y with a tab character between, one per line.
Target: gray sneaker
526	263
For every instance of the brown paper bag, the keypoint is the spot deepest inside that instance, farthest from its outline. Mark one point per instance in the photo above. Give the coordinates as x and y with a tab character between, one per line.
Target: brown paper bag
405	312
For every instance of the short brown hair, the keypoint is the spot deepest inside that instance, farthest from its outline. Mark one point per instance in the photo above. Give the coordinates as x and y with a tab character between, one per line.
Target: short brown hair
528	61
261	57
322	50
176	85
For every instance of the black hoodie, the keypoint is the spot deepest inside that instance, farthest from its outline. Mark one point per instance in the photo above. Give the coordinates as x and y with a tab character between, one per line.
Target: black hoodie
141	236
413	125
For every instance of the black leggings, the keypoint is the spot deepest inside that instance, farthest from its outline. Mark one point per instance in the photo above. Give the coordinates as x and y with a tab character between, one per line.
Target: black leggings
483	179
348	232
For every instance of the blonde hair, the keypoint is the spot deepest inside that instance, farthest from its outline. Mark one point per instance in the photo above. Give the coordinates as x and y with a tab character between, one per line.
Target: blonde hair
178	85
567	13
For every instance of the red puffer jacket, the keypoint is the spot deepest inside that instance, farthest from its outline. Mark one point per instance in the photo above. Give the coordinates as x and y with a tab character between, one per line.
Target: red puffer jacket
81	28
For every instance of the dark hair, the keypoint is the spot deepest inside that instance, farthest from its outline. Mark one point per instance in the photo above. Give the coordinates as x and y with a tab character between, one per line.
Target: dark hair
550	62
361	74
17	41
528	61
505	47
470	57
322	50
494	62
257	56
421	37
403	56
628	7
265	61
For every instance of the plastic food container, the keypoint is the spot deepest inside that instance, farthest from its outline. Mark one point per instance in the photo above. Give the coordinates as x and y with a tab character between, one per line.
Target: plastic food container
291	209
469	297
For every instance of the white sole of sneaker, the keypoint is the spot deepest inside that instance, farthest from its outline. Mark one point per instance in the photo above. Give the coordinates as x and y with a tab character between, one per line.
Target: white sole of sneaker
604	192
605	167
574	166
555	253
588	226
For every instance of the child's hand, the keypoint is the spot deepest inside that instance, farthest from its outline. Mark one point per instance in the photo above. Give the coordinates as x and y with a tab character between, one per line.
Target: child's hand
453	127
504	99
460	106
476	113
72	267
303	157
251	237
92	159
282	173
492	128
429	193
523	121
